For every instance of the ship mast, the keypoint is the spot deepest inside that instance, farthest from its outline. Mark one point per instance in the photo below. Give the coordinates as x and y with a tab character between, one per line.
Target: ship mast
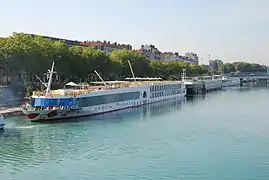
132	71
50	79
45	84
222	69
183	74
100	78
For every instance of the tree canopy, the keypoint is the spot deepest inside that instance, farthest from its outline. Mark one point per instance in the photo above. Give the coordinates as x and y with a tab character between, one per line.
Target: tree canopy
33	55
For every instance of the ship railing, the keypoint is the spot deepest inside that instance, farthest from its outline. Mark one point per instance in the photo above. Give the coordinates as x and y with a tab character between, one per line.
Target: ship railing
94	89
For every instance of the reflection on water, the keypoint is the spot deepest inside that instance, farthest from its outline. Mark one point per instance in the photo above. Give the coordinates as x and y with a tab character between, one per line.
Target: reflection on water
212	136
38	143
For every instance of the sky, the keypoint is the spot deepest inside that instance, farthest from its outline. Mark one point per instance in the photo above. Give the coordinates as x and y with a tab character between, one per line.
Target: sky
230	30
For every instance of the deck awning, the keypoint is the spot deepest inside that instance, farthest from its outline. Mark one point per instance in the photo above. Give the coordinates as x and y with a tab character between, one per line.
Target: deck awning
71	84
142	78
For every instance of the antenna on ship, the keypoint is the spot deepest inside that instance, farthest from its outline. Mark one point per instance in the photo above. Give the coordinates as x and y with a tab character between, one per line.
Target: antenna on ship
183	74
50	79
45	84
100	78
213	75
132	71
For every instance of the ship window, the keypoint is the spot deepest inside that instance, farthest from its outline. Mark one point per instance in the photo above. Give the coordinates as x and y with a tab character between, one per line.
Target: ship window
144	94
106	99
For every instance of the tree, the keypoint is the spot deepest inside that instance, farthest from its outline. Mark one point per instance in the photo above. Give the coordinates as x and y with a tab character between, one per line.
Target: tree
139	63
33	55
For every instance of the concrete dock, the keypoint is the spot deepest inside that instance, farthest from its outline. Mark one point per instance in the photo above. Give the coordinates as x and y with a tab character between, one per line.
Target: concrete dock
13	111
194	88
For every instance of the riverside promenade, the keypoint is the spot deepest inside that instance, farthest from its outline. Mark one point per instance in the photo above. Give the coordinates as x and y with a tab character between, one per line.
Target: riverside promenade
11	111
12	96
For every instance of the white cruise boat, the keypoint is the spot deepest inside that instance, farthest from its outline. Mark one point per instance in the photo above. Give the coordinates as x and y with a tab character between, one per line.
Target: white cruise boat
230	81
210	82
2	122
98	99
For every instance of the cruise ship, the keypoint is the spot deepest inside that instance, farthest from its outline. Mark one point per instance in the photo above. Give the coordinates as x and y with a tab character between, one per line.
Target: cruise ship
100	97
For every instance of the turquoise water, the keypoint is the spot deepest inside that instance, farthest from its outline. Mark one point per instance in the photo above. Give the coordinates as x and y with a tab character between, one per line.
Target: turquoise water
223	135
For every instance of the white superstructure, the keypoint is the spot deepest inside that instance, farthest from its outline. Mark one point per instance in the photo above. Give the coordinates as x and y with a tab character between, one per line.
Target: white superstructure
91	100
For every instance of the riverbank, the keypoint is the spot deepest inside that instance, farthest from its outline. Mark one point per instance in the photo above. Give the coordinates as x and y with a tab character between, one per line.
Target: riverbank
12	111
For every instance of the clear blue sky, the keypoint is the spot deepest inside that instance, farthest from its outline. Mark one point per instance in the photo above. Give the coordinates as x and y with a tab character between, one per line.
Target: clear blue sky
228	29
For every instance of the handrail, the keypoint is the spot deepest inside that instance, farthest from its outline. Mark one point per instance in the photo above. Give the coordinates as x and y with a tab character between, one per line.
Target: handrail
78	92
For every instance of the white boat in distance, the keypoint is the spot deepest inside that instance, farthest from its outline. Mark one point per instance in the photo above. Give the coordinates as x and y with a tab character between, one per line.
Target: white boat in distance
101	97
230	81
2	122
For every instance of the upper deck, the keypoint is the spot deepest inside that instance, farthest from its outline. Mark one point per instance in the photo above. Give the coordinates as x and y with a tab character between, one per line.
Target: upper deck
77	90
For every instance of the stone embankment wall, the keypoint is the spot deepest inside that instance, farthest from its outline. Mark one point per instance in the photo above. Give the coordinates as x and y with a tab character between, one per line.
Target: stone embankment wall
12	96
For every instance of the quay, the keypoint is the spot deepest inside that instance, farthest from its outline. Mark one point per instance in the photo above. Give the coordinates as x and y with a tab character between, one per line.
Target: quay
13	111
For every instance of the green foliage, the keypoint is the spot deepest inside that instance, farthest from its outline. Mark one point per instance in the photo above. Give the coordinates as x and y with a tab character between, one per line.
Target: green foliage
29	90
33	55
242	67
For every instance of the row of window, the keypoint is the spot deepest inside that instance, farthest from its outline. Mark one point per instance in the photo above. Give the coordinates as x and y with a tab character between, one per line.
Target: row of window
162	94
165	87
106	99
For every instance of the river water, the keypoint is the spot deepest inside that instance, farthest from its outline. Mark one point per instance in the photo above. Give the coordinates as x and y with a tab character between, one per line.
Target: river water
222	135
